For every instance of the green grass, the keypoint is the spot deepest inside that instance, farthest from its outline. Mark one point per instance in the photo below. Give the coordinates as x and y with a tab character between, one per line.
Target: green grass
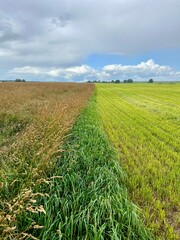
87	196
142	122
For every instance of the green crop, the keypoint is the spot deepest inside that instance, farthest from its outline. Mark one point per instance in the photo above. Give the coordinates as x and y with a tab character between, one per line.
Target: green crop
142	121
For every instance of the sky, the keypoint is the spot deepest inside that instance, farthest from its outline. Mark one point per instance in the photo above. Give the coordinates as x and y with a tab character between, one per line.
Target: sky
81	40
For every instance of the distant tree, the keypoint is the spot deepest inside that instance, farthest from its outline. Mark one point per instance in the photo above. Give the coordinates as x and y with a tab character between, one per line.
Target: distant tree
117	81
125	81
20	80
129	81
112	81
151	80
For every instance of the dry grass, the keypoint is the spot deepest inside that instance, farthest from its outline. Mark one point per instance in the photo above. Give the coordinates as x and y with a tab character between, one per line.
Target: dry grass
34	118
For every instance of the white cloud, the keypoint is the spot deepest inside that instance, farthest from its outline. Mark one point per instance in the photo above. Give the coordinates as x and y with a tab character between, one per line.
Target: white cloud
139	72
64	73
79	70
54	72
27	70
144	68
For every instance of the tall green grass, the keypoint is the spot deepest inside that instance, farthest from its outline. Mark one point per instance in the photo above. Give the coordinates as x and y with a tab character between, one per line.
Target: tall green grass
87	198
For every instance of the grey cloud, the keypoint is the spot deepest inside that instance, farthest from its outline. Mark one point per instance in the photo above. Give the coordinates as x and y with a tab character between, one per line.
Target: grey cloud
62	33
7	32
61	21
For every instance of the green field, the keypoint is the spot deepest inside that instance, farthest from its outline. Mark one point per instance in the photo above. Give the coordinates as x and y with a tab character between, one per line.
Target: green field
142	122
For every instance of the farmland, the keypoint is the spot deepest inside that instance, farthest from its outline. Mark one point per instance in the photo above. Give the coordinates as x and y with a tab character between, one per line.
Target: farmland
89	200
142	122
80	163
34	118
60	178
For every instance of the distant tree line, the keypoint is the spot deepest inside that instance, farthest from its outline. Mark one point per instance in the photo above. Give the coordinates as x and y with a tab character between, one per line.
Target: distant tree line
111	81
117	81
20	80
128	81
16	80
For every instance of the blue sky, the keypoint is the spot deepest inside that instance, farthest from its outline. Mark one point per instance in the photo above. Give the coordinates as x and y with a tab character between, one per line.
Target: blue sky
163	57
82	40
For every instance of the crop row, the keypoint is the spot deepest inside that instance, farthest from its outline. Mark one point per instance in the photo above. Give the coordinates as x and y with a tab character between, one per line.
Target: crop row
142	123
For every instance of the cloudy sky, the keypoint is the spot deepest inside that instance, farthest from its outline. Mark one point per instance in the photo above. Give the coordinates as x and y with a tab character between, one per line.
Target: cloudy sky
80	40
